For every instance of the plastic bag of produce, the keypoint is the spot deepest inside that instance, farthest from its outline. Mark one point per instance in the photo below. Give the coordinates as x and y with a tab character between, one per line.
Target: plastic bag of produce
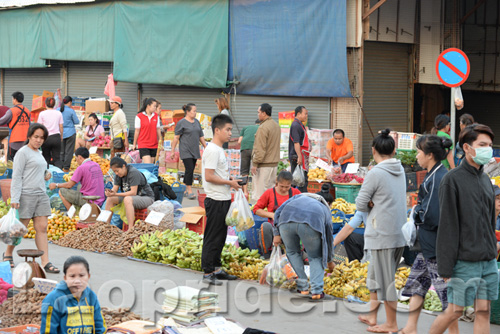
275	273
11	229
299	179
410	230
120	210
459	99
239	214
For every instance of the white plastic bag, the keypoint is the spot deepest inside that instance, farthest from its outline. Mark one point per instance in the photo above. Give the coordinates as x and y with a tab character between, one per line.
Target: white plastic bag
410	230
239	214
299	179
459	99
275	274
12	230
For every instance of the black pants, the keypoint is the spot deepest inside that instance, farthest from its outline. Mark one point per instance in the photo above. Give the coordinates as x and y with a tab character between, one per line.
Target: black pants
51	150
293	165
189	165
354	245
68	150
215	234
12	153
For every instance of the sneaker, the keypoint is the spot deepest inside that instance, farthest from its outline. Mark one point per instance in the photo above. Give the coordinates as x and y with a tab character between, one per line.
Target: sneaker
221	274
211	279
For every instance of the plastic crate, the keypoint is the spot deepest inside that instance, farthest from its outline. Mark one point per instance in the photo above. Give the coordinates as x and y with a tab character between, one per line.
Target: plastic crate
139	214
359	230
252	234
411	182
7	174
79	101
407	140
495	308
314	187
411	200
153	168
349	192
179	190
59	178
420	177
337	227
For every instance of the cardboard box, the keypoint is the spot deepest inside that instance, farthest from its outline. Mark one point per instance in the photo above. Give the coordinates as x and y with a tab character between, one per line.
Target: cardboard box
100	106
197	168
169	135
47	94
38	103
181	166
167	117
195	219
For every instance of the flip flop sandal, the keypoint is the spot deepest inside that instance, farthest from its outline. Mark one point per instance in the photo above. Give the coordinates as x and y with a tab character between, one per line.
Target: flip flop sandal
322	298
191	196
8	258
50	268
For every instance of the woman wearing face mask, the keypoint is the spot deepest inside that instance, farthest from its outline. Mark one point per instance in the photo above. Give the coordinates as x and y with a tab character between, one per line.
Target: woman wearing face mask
72	307
441	129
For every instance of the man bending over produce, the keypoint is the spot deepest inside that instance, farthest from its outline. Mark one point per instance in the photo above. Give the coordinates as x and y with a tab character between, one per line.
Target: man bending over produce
89	174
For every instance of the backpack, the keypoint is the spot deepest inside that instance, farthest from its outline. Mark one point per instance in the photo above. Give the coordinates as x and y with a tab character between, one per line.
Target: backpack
161	188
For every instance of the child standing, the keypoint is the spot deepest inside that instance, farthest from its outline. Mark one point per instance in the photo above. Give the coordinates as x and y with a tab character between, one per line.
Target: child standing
217	187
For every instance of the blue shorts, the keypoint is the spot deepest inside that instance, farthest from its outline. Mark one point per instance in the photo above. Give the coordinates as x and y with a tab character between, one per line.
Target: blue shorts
473	280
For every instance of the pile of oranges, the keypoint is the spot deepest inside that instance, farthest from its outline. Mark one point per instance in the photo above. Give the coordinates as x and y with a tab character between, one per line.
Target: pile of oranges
103	163
59	226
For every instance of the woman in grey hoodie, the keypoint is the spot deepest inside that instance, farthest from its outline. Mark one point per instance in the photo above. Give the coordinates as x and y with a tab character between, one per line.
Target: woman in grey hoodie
383	196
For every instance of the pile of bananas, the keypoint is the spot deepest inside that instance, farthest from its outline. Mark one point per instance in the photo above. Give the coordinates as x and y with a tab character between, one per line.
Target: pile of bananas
68	176
337	219
183	248
316	174
252	269
342	205
348	278
496	179
169	179
401	276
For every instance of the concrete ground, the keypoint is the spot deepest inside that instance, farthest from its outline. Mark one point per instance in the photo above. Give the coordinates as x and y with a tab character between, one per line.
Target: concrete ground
120	282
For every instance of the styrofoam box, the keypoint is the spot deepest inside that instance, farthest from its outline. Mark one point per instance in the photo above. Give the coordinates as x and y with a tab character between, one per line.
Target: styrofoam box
44	285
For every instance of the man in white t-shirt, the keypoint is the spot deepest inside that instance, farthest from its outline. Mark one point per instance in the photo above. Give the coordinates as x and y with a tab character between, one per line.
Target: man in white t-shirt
217	184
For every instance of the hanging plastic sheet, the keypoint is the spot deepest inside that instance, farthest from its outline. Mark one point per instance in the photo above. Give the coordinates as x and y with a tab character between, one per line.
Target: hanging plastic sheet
291	48
172	42
78	32
20	38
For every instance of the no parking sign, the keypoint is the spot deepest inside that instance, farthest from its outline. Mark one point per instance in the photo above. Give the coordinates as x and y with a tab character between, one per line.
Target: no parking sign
452	67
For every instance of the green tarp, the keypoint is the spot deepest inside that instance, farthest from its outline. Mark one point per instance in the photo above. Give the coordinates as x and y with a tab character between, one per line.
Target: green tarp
174	42
20	38
78	32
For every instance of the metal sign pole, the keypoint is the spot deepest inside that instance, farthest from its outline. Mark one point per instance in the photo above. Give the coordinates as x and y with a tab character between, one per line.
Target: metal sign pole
452	114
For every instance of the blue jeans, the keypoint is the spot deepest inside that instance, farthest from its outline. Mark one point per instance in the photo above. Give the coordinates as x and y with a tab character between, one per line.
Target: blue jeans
291	235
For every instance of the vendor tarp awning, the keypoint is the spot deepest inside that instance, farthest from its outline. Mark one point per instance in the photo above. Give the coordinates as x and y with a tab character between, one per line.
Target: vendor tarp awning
173	42
20	38
80	33
294	48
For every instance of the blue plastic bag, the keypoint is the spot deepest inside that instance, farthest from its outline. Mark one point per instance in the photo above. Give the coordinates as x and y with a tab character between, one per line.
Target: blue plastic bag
5	272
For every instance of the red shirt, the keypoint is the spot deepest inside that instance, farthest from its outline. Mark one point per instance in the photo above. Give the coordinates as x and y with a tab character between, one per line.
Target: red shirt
148	137
267	200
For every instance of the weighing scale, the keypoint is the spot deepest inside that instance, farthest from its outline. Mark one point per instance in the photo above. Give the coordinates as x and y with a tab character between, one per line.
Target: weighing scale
23	274
89	211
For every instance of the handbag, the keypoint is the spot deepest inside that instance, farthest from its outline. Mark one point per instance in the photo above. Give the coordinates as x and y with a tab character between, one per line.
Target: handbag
118	143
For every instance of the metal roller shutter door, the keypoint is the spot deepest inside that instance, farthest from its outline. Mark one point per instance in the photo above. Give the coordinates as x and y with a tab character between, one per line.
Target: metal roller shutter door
173	98
244	108
386	90
89	79
31	81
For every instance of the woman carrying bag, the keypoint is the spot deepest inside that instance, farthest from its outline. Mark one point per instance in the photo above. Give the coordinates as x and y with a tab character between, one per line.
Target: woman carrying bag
431	150
28	192
118	126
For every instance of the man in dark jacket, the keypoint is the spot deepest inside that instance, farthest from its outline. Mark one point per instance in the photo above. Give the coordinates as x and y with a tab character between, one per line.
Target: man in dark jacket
466	244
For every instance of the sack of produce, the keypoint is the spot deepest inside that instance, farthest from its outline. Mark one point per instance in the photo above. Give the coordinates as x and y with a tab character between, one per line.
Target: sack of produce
239	214
11	229
274	270
167	208
298	177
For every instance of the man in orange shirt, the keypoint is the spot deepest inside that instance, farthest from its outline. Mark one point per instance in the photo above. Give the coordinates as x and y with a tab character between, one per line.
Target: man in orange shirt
340	149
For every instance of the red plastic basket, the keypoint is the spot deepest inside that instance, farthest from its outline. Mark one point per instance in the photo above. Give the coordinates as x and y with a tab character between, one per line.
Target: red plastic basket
140	214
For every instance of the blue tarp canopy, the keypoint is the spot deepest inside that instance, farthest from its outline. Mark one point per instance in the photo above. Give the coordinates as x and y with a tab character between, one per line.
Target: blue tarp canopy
290	48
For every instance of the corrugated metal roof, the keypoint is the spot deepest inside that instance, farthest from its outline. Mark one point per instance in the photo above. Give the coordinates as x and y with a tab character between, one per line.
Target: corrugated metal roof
25	3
